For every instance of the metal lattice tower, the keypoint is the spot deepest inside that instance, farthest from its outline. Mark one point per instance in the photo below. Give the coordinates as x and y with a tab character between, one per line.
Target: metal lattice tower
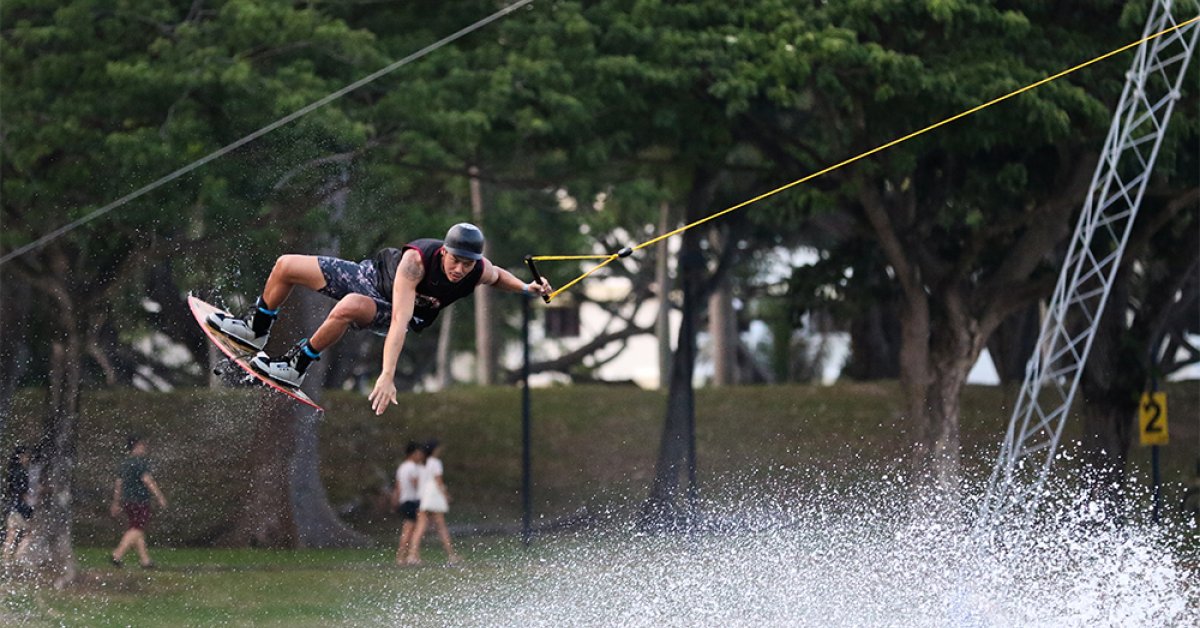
1152	87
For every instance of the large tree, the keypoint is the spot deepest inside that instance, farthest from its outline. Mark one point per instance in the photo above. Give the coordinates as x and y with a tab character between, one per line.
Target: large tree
100	100
66	122
285	58
967	218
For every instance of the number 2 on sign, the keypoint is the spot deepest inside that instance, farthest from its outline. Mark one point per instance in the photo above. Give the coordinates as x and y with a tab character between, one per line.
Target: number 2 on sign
1153	418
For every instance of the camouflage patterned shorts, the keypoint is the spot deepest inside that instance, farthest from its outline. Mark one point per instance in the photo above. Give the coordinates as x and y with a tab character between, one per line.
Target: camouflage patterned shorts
343	277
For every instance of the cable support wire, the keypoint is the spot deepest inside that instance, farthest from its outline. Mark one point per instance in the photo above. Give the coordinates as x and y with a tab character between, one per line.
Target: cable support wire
608	259
63	230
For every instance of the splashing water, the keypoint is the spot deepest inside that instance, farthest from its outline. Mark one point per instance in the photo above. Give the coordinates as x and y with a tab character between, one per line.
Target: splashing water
840	558
819	548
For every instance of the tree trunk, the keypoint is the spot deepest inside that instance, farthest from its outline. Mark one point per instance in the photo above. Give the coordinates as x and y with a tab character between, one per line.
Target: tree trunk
1153	299
265	514
317	524
283	453
1112	379
485	343
951	352
938	350
934	369
676	452
915	377
1108	419
722	328
50	537
662	276
265	517
942	438
15	354
677	447
352	364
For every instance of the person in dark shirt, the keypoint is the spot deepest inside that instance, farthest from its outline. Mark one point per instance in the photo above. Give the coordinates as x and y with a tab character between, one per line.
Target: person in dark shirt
396	291
17	509
132	492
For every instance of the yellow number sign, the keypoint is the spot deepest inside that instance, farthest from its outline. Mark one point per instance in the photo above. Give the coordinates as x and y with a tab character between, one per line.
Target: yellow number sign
1152	414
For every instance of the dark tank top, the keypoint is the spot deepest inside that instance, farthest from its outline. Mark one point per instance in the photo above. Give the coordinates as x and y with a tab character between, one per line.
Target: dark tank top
435	291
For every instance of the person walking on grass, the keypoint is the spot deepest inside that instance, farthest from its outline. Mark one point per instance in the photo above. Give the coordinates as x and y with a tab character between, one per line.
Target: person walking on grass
406	496
17	507
132	492
435	503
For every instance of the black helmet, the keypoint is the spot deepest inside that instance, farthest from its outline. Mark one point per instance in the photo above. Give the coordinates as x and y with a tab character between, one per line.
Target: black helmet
465	240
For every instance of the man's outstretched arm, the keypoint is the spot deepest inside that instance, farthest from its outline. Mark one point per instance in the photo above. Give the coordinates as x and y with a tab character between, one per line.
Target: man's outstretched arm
404	296
504	280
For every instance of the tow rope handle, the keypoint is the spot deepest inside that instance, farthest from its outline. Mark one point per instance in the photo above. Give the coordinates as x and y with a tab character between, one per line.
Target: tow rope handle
536	275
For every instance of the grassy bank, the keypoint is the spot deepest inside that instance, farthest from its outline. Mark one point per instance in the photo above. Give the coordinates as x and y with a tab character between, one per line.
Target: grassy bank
593	446
243	587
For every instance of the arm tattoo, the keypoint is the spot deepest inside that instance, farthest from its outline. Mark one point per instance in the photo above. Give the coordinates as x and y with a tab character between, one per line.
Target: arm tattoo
410	269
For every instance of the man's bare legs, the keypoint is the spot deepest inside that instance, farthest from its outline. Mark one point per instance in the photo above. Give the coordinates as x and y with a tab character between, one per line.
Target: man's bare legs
353	308
290	271
304	270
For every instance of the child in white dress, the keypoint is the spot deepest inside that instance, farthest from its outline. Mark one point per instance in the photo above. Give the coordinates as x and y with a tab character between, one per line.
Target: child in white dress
435	503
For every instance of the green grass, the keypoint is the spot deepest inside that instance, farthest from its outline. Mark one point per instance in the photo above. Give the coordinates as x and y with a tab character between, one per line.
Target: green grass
246	587
593	446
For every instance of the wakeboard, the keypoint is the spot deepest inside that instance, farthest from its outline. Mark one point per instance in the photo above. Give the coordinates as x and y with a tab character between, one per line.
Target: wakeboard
239	354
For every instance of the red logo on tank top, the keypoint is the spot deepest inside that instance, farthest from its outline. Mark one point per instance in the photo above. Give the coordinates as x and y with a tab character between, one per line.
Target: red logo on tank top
424	300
